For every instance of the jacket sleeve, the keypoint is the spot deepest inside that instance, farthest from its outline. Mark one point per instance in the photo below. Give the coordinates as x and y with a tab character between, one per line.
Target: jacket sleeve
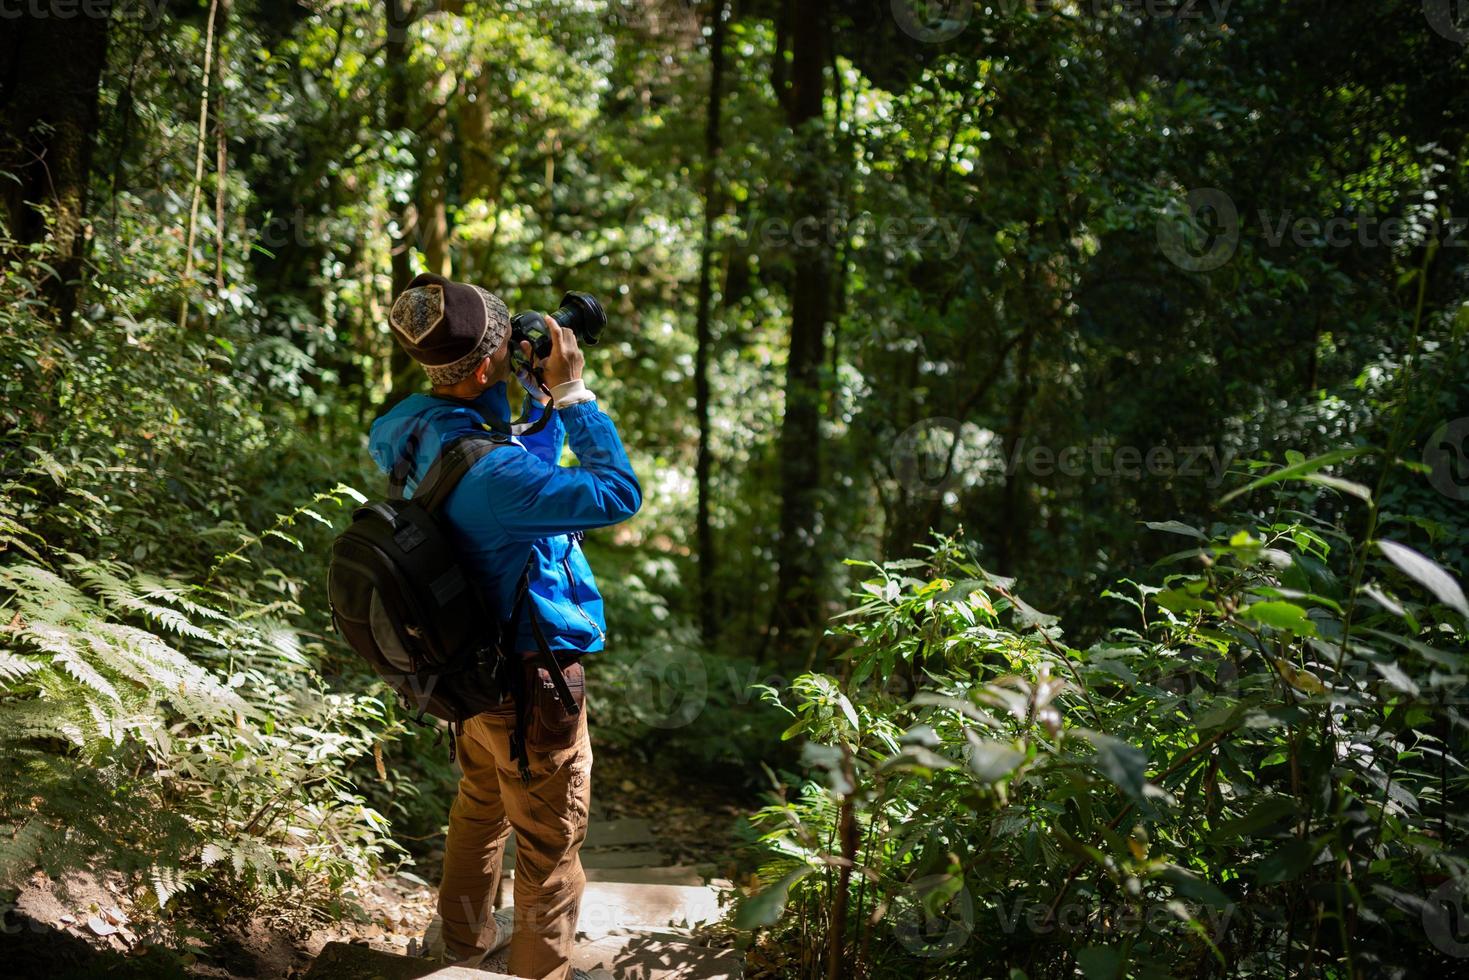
533	498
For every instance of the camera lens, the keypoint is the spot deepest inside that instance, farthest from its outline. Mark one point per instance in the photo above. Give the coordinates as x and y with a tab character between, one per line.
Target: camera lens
580	313
583	315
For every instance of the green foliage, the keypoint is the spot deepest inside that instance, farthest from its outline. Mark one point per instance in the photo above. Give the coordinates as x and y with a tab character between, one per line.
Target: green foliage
163	710
1260	773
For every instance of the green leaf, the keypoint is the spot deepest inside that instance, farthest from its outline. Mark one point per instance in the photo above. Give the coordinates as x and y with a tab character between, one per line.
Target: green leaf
1298	470
1100	962
1427	573
916	757
273	533
1190	885
1030	617
765	909
1282	616
1287	862
1337	483
1122	763
800	726
1266	812
1176	527
966	708
991	760
1181	600
1396	677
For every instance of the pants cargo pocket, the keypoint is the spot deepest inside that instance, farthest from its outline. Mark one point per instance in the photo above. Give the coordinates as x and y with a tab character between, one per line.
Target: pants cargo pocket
552	728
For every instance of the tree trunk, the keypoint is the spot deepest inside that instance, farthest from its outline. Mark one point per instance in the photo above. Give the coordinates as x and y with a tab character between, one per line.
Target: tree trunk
50	71
201	140
402	373
1012	533
433	212
703	534
798	582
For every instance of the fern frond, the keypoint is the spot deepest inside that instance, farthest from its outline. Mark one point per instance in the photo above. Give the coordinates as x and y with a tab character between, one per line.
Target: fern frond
179	679
57	642
13	668
168	882
13	534
120	594
22	852
176	593
42	593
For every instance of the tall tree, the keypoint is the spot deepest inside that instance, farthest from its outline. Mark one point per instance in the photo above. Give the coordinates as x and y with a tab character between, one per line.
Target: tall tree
398	17
50	70
713	205
803	99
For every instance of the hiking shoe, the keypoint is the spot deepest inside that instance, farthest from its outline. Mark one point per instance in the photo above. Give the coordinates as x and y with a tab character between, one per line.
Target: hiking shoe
504	926
431	946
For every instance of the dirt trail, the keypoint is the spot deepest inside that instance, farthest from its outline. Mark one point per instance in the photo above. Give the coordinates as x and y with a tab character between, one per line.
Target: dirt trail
649	823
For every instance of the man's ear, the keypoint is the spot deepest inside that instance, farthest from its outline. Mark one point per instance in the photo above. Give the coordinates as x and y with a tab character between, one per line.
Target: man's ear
485	369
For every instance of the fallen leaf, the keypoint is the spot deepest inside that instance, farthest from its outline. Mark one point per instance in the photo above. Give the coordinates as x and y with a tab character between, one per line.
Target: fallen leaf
100	926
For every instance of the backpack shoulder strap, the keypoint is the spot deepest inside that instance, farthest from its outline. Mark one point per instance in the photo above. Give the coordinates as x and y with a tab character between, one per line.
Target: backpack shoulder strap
453	461
520	427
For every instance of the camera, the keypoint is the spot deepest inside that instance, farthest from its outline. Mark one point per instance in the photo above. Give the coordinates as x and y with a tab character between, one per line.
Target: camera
580	313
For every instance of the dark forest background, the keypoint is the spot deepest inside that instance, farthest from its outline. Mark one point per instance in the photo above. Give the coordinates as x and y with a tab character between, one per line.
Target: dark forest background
915	308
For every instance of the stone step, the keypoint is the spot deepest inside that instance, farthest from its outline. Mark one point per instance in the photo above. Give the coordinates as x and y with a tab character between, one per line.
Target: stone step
665	874
607	858
354	961
627	832
645	956
609	907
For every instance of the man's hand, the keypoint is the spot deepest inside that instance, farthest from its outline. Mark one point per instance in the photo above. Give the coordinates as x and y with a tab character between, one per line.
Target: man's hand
565	360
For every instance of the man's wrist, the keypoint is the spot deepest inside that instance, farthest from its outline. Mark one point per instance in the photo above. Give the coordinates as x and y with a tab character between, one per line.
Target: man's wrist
572	392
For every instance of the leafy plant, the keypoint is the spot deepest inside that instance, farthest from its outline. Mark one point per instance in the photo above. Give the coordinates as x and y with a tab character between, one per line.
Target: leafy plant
1258	778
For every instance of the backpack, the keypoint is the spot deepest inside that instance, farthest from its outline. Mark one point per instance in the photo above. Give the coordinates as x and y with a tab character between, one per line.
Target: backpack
406	604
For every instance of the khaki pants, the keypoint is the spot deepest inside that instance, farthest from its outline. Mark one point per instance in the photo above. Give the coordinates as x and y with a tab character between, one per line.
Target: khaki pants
549	817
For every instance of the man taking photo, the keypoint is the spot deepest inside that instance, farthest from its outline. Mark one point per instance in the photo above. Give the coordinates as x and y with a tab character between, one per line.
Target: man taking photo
515	506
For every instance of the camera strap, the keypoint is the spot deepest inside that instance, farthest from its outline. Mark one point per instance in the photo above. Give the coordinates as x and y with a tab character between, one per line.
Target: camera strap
522	426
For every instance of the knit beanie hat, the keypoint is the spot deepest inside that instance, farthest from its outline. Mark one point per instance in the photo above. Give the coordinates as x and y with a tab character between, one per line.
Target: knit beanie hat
448	327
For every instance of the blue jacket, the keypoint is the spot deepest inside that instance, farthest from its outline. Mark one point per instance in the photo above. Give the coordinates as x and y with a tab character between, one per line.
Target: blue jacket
518	502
